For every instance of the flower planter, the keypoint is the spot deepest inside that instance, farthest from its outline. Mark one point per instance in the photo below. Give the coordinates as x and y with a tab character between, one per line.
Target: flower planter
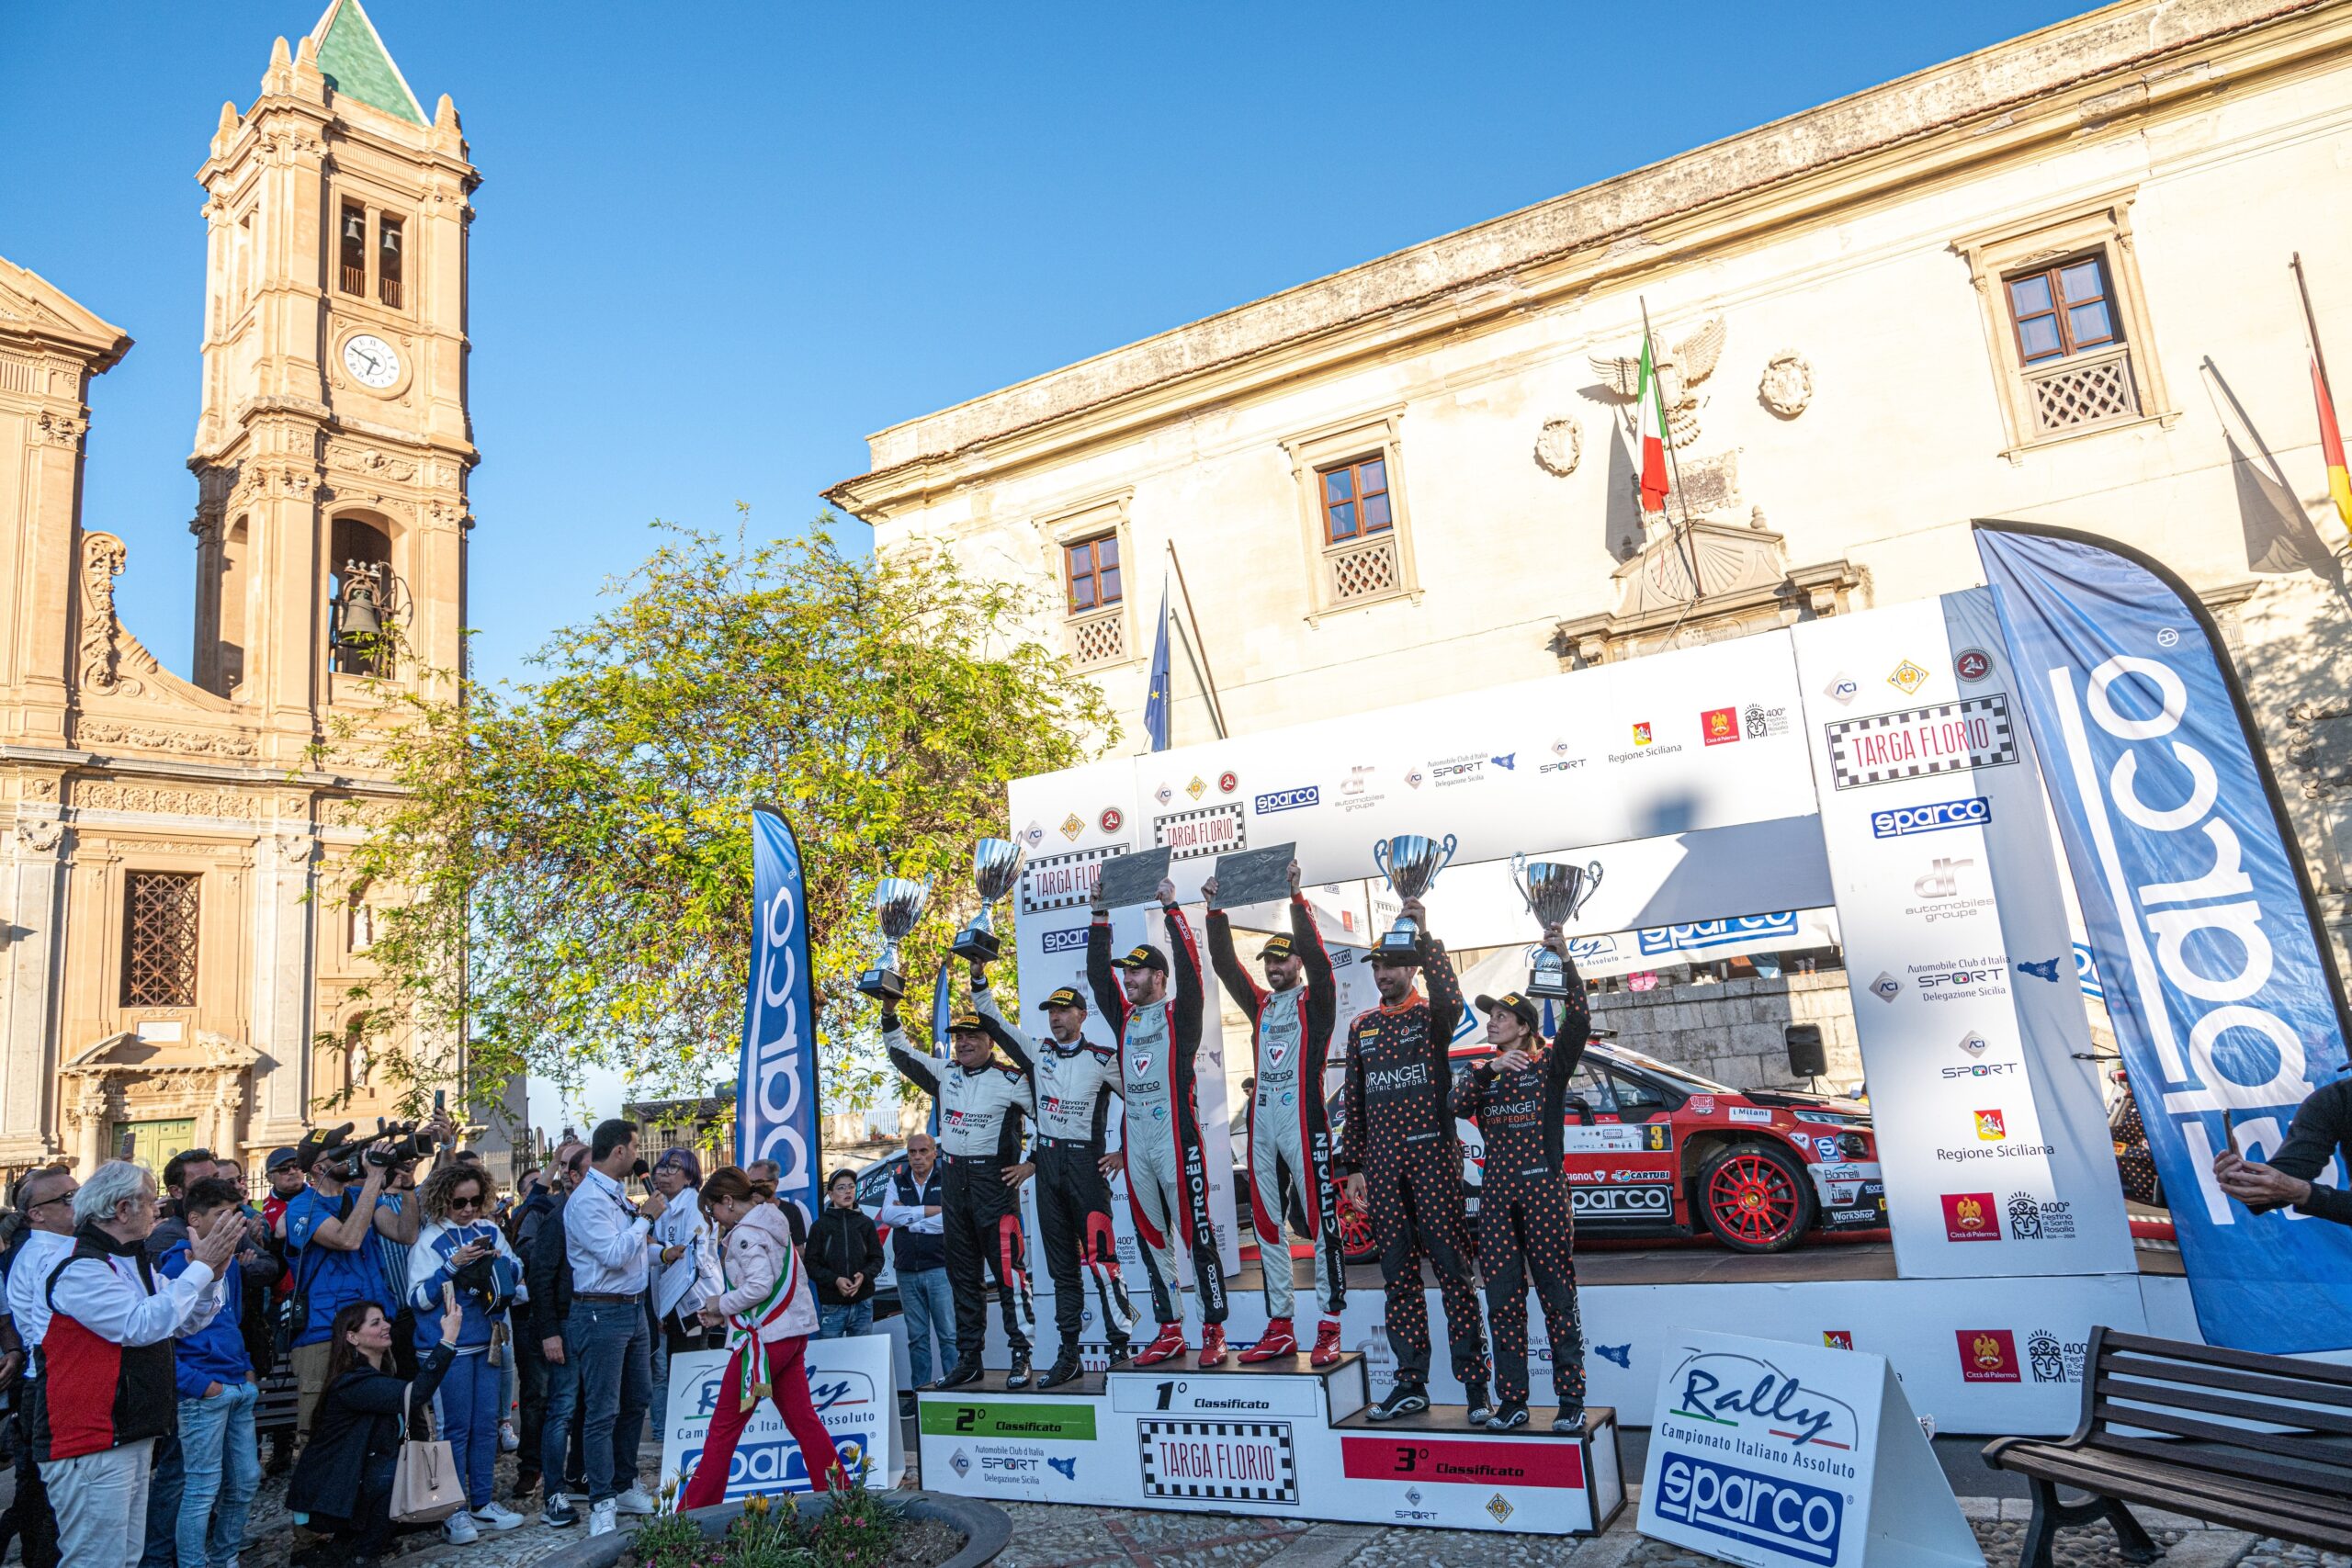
987	1529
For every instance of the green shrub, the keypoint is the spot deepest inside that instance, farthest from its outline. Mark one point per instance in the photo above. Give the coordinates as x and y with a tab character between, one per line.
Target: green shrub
858	1529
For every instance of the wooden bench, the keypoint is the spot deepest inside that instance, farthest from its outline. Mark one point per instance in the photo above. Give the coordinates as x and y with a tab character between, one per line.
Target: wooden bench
2251	1442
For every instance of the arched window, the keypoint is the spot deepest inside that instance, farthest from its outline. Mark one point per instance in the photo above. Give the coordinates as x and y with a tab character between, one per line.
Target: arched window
365	595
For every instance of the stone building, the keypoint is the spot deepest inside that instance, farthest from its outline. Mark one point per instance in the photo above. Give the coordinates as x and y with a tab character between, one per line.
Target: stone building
2049	281
176	939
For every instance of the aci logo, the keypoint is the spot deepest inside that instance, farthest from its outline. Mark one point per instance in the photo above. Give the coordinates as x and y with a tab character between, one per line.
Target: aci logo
1288	799
1793	1521
1838	1339
1842	689
1642	733
1886	987
1973	812
1068	1467
1988	1355
1970	1216
1990	1128
1975	1044
1620	1354
1719	725
2046	969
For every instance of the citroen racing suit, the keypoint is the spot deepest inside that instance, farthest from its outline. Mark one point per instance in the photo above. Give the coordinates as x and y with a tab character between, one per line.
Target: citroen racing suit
1290	1137
1168	1177
1526	1224
1074	1088
1398	1133
979	1134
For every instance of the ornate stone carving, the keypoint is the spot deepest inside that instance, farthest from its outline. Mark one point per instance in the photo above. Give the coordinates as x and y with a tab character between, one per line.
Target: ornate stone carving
40	833
295	848
2319	745
110	795
60	429
38	786
148	736
1559	445
371	462
103	556
1679	371
1786	387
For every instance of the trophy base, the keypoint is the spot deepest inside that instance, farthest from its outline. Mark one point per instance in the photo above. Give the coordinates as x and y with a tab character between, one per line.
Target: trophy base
978	947
1547	988
882	984
1398	947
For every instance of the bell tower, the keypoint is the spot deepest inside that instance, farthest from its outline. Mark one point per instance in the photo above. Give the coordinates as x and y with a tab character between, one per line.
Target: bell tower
333	445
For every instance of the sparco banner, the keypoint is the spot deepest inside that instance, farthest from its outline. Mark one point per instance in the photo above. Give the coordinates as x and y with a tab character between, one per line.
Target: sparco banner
775	1088
2226	1003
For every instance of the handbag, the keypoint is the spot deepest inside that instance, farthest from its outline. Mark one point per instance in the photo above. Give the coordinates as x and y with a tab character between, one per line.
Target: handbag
426	1487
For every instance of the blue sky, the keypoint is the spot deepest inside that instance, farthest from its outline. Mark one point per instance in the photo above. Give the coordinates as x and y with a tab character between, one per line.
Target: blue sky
719	245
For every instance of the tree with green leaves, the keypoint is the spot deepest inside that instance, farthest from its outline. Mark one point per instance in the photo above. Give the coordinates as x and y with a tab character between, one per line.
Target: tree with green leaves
568	872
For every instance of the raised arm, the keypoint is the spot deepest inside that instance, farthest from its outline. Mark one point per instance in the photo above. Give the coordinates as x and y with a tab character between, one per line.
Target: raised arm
1446	999
1184	959
1230	972
921	1071
1100	978
1008	1037
1322	985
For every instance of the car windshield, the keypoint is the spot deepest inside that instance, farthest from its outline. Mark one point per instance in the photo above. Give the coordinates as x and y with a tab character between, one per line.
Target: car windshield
1687	1080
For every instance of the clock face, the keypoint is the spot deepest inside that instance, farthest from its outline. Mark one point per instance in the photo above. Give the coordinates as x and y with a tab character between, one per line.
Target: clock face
370	360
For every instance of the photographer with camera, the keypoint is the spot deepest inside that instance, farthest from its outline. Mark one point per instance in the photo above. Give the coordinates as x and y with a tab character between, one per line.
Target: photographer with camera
461	1250
331	1230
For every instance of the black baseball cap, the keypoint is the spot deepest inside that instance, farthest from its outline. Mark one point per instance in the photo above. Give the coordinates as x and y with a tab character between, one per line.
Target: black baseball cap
1512	1002
1277	946
966	1022
1143	955
279	1158
1067	997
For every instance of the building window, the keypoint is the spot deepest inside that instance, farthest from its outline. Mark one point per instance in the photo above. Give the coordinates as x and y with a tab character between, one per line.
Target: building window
1355	499
355	250
2062	309
388	261
159	939
1090	570
2066	320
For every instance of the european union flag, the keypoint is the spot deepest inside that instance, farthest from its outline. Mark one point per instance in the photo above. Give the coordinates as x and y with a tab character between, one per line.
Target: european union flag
1155	707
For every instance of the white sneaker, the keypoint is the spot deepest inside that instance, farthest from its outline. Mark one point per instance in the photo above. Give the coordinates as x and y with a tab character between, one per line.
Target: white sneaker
634	1501
489	1516
459	1530
600	1519
507	1440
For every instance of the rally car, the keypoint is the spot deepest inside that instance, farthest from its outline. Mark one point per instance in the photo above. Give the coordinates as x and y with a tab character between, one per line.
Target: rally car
1654	1150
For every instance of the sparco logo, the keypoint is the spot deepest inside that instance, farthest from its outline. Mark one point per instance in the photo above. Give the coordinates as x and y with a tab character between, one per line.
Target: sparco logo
1973	812
1287	799
1070	941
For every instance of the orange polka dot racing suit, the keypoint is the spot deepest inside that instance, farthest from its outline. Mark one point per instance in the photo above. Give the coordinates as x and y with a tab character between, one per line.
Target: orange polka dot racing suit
1526	1224
1398	1133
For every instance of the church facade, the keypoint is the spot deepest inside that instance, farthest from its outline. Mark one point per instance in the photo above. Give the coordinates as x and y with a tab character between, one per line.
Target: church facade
2048	281
178	938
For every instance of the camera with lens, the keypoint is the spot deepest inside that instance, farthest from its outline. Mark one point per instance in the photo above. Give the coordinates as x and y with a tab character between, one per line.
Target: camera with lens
402	1142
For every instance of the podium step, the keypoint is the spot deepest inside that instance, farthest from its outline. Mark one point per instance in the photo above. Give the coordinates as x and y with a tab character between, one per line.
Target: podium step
1293	1366
991	1381
1454	1420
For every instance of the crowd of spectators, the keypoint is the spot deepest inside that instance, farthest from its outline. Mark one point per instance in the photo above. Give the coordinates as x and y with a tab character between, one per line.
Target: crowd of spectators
165	1339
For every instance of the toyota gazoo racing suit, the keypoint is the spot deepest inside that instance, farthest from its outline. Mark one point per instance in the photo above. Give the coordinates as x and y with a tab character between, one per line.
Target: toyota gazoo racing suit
979	1134
1168	1177
1398	1133
1074	1086
1290	1137
1526	1224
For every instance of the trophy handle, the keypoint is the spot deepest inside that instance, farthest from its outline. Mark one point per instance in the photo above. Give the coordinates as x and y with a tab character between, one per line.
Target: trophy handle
1448	860
1592	886
1380	860
1519	879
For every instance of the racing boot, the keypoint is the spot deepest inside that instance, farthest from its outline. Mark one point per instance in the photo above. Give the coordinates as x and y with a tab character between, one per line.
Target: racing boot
1213	1344
1018	1377
959	1375
1569	1419
1120	1356
1327	1343
1479	1409
1170	1342
1278	1340
1403	1399
1508	1415
1064	1370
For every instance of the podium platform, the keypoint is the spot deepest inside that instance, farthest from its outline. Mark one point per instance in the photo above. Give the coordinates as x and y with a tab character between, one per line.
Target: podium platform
1278	1437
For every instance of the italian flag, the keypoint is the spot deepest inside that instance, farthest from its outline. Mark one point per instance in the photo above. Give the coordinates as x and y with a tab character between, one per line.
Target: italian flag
1652	402
2330	445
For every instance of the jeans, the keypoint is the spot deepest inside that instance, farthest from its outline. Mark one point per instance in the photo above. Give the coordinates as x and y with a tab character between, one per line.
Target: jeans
465	1414
101	1501
164	1506
559	1427
849	1317
220	1468
531	1371
616	1388
931	1314
29	1515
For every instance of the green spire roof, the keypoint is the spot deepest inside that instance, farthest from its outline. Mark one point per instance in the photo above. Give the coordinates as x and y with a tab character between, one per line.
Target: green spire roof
353	59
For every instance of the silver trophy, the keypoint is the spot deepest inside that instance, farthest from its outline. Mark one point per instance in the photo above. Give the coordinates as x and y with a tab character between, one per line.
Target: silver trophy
996	870
898	905
1555	893
1411	862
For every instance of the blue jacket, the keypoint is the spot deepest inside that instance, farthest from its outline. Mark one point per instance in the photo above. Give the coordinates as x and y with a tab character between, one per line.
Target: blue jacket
215	1353
428	1271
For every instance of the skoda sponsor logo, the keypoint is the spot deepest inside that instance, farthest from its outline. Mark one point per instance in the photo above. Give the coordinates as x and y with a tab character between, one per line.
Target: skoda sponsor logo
1290	799
1974	811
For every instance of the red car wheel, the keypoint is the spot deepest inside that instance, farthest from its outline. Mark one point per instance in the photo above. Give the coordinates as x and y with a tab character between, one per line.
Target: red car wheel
1355	1228
1756	1197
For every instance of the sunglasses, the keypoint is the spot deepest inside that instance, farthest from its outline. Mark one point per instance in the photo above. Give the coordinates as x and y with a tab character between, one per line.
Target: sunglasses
457	1203
61	1198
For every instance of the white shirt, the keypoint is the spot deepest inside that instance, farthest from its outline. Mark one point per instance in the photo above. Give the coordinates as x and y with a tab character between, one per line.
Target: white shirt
106	1296
28	1286
684	1286
604	1239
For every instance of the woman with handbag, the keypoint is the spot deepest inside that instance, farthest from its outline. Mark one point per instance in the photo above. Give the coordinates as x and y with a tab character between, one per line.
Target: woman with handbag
769	1308
459	1249
345	1479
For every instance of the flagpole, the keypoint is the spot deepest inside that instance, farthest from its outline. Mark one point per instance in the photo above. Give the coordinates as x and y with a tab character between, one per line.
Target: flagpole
2311	322
1673	459
1200	654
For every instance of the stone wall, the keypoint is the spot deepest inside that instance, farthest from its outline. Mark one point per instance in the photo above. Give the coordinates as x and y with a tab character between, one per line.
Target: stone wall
1732	1030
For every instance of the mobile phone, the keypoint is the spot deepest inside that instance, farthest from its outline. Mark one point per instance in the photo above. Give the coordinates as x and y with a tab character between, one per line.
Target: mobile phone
2230	1131
440	1101
125	1145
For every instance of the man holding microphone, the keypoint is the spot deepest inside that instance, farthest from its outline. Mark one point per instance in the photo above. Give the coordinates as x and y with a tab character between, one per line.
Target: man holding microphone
605	1241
